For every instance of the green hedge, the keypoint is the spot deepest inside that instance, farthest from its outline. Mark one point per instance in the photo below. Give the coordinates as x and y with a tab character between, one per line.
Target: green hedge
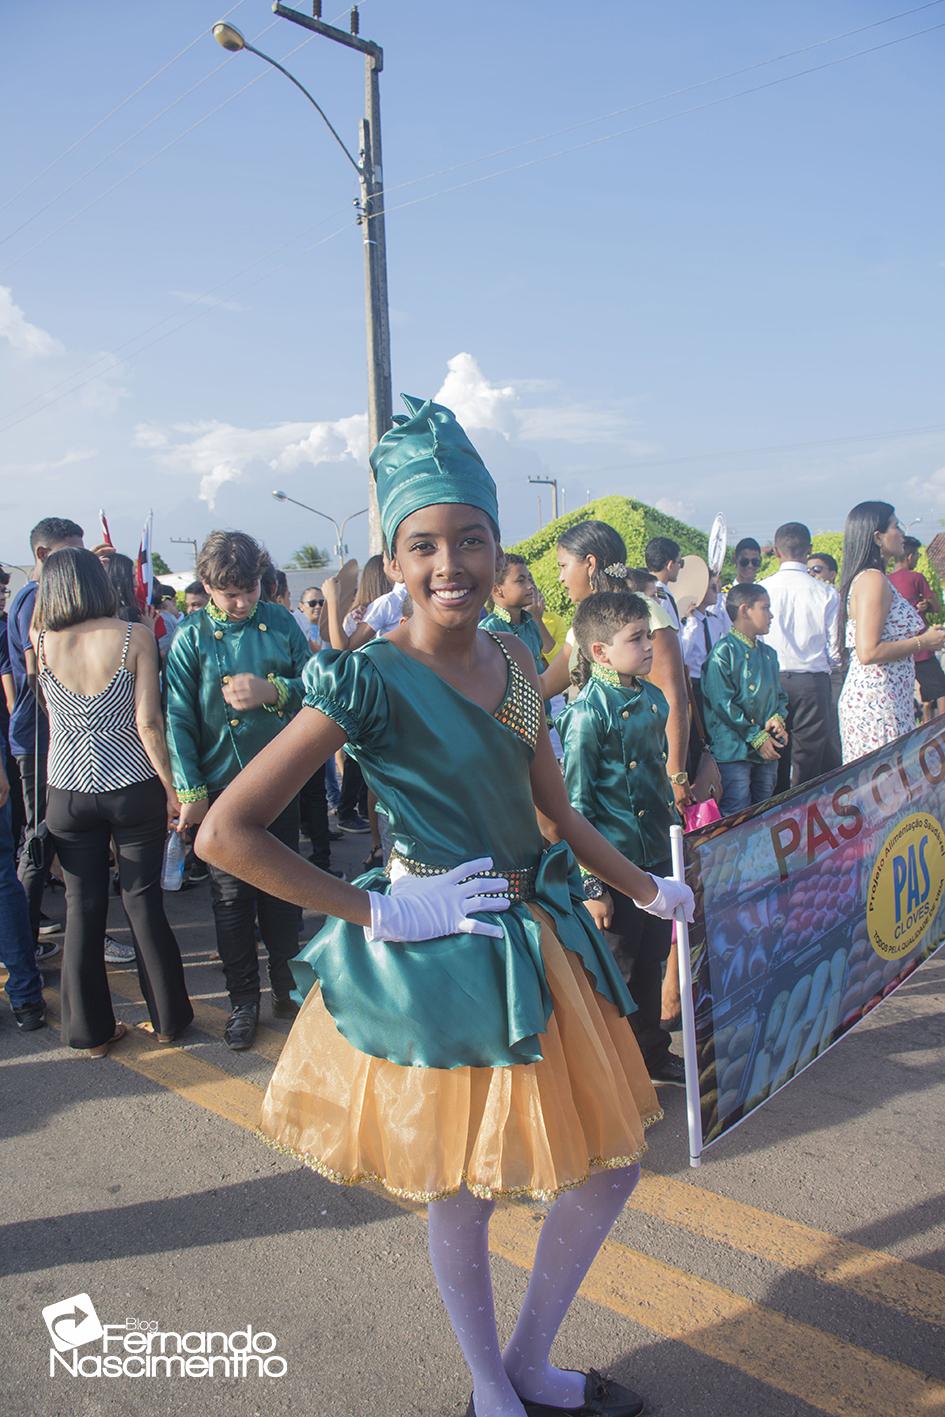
636	522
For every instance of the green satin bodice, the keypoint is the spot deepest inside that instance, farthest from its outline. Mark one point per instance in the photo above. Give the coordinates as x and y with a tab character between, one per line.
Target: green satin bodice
741	690
614	741
453	781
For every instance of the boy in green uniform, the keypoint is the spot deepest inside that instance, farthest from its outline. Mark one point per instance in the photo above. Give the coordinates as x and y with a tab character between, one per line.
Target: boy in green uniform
614	738
744	703
513	613
234	679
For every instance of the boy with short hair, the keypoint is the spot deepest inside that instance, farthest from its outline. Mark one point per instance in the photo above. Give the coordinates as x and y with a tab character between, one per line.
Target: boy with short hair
910	582
513	600
234	679
614	737
744	703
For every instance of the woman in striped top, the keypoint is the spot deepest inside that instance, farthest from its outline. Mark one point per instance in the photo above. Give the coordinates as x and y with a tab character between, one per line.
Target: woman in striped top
109	778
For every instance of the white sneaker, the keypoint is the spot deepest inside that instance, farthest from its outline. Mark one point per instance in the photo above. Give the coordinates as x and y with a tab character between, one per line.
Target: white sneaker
117	953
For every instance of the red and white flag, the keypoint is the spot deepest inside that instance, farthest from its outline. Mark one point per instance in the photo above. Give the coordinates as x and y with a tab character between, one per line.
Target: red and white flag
106	534
144	571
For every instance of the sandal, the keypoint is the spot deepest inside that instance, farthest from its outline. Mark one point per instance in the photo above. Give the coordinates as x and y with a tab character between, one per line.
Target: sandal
101	1049
374	860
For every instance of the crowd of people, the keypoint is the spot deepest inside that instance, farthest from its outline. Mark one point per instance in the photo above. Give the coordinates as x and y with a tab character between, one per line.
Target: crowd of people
513	787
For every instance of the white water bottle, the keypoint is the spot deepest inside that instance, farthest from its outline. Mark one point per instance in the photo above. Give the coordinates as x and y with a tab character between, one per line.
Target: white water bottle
172	872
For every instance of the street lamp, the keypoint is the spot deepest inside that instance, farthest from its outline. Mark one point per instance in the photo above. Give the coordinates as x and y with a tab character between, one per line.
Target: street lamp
341	549
370	216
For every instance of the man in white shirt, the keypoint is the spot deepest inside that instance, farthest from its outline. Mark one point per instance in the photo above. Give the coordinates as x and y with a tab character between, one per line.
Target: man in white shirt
804	635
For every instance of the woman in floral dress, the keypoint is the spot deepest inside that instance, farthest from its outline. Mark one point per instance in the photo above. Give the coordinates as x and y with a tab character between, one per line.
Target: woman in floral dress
882	633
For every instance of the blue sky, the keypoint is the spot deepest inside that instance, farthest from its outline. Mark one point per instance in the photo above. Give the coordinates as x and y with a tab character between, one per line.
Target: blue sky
710	311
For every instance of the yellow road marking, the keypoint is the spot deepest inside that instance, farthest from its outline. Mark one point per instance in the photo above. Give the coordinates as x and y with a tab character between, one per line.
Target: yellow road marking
909	1288
815	1367
269	1041
839	1378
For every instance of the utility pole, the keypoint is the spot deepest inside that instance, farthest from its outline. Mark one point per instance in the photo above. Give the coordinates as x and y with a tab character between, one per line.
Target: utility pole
371	220
187	541
551	482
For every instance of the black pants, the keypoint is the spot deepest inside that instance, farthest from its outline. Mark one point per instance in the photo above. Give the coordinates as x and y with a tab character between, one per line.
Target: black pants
313	809
640	944
353	791
82	824
811	749
33	878
236	905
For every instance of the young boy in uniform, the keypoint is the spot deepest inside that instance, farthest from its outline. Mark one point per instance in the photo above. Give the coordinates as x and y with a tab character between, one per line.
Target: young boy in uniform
744	702
614	738
234	679
513	613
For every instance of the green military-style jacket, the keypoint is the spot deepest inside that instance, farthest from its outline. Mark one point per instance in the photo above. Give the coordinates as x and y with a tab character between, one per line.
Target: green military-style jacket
614	741
741	691
209	742
500	622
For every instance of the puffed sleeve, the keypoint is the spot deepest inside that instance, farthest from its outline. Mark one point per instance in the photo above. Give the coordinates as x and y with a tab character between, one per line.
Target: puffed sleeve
346	687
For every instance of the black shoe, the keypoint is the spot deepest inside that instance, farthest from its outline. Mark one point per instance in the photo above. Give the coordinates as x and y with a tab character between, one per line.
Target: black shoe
48	949
671	1025
670	1069
198	873
602	1398
241	1027
333	835
354	823
48	926
284	1008
30	1016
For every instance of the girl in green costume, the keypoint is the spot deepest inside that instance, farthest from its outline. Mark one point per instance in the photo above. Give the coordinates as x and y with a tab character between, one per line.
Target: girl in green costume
463	1033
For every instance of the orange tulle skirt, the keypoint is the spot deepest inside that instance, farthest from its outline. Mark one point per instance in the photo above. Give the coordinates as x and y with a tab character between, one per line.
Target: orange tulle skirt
532	1129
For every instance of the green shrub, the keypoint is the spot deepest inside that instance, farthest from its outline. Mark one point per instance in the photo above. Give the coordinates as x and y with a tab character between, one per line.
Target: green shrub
636	522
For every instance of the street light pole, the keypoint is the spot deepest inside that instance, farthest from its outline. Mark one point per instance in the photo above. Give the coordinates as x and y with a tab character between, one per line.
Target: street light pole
551	482
341	549
369	168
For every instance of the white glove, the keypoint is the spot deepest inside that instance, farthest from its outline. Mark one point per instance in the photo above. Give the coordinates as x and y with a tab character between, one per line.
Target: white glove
428	907
670	895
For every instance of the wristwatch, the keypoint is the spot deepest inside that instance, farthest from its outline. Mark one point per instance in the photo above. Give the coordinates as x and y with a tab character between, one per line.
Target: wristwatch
593	888
679	779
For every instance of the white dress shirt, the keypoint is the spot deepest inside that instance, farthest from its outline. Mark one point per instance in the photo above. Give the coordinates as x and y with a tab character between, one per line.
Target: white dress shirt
387	611
804	629
692	636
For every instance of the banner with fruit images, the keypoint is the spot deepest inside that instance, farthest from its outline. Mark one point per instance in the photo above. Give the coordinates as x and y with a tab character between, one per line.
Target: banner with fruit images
811	909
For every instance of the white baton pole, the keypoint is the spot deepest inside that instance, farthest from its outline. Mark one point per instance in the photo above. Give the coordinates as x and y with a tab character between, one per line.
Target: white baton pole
690	1056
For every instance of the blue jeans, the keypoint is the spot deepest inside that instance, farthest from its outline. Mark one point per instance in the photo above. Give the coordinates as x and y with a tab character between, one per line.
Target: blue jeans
25	984
744	784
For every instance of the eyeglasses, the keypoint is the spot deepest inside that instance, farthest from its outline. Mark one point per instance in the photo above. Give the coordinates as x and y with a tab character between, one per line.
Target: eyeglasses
313	604
818	570
749	560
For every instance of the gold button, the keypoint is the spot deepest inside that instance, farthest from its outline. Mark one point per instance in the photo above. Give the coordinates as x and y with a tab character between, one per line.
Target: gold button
279	713
652	708
218	634
234	723
642	812
751	688
625	714
633	765
226	678
262	627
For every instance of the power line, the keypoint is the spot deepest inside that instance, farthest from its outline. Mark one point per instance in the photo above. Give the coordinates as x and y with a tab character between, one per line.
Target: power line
660	98
112	111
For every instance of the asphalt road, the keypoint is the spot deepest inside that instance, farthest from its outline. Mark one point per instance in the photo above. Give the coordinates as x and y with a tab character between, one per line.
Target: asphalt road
800	1270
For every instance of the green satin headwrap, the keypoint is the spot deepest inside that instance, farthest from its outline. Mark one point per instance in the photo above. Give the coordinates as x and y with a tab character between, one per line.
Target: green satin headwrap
426	459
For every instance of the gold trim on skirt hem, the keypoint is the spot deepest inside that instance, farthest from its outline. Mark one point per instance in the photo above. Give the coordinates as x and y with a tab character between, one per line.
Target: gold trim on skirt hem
488	1193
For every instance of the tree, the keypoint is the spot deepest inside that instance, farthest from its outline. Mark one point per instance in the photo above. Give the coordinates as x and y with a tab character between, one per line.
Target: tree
159	565
308	558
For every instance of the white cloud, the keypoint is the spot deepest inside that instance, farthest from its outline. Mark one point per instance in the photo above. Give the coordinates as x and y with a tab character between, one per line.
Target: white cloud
24	338
929	489
219	453
215	302
477	403
68	459
675	507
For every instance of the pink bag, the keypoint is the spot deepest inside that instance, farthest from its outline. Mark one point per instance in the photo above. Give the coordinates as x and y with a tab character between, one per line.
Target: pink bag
700	814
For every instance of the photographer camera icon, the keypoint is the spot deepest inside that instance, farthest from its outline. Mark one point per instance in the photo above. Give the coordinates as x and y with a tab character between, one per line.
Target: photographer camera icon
72	1322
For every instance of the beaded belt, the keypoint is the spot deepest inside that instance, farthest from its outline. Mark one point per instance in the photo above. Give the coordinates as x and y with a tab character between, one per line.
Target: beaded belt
521	879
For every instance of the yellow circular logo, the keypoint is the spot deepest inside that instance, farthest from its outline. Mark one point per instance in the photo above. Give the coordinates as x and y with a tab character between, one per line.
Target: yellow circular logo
906	885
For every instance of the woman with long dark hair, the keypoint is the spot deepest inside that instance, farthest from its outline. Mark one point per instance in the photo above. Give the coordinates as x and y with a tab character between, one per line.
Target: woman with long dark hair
109	779
882	633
